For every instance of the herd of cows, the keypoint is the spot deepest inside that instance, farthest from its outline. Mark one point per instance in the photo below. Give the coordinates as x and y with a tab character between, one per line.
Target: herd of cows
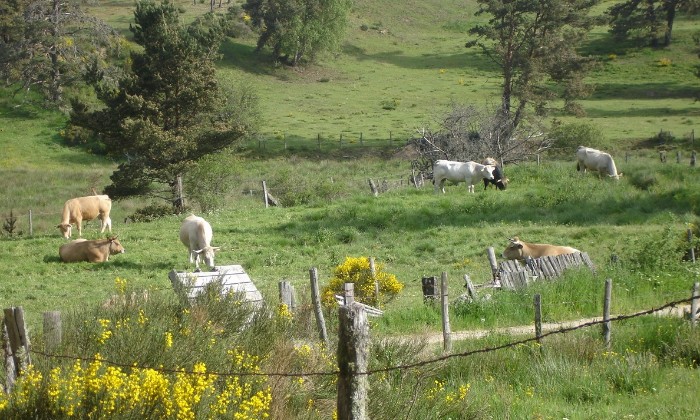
196	233
587	159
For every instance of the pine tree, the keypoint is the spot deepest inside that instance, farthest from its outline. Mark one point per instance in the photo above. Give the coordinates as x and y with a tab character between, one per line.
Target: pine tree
169	110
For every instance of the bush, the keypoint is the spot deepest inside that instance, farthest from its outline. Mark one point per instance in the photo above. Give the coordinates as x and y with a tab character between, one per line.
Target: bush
643	180
357	271
151	212
567	137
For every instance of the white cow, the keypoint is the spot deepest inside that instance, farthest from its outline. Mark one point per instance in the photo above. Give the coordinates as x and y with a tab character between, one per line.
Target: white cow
469	172
595	160
196	235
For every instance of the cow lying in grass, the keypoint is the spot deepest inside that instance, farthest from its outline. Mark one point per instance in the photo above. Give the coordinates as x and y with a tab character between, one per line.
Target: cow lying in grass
520	250
87	208
97	250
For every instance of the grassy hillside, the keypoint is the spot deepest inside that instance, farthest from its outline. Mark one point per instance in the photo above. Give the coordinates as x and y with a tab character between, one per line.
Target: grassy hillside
412	59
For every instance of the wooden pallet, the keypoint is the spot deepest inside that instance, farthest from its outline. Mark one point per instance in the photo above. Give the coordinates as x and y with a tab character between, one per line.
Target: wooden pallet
513	274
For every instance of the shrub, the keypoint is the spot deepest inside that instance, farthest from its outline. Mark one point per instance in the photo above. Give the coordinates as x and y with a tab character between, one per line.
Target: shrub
151	212
567	137
643	180
356	270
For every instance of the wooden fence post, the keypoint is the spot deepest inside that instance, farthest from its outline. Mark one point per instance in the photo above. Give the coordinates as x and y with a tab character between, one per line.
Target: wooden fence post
662	156
607	325
693	158
694	304
446	331
538	317
52	330
10	368
316	301
287	298
353	356
678	156
31	224
18	338
373	272
373	187
491	254
690	241
348	293
264	187
470	287
318	139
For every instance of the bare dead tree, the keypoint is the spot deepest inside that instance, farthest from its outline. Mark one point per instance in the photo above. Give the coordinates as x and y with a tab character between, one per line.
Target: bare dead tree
467	133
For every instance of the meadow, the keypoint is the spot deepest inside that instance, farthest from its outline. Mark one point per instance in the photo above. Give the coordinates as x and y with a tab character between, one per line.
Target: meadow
327	214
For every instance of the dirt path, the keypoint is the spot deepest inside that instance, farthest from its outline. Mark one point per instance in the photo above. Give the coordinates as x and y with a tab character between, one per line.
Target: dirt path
546	327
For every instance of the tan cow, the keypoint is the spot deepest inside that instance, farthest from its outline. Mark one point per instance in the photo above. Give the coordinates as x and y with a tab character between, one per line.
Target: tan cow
520	250
97	250
77	210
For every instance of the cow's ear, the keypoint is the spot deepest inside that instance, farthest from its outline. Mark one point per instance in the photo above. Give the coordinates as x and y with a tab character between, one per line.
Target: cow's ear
519	246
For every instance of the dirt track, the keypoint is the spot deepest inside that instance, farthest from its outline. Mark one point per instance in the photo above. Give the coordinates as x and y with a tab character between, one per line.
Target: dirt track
546	327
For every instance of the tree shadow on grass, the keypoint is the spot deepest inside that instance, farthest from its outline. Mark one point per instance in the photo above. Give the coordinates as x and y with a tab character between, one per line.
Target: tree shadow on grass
470	59
372	217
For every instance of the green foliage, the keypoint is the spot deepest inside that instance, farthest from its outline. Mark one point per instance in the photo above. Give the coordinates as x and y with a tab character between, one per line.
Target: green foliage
49	47
651	21
299	30
514	39
169	110
644	180
661	251
568	136
151	213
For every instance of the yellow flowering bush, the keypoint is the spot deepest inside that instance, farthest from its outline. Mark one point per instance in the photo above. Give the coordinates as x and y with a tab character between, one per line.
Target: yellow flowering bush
357	270
100	391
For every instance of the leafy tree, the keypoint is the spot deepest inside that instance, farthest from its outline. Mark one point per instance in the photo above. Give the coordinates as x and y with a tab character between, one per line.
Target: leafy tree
168	110
298	30
49	44
649	19
533	42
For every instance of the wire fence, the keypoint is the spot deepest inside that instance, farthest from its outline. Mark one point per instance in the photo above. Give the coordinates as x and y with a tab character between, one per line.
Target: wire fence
562	330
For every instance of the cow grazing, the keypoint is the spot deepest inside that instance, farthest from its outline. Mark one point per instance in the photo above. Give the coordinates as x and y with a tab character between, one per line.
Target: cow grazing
97	250
469	172
595	160
196	235
77	210
519	250
498	180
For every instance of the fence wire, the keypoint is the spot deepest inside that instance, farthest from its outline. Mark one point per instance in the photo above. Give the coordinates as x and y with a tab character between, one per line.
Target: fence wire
563	330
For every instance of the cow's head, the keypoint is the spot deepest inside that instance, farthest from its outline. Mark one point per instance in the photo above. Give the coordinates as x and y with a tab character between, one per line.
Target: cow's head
66	229
115	247
487	172
207	253
514	250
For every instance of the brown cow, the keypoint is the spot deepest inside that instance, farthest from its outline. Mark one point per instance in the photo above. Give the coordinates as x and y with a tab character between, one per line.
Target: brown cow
87	208
519	250
97	250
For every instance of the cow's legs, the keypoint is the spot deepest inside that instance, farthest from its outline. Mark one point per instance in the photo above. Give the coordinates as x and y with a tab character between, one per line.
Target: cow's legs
106	222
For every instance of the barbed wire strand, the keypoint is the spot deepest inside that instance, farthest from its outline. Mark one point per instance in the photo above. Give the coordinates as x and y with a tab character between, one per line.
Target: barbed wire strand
562	330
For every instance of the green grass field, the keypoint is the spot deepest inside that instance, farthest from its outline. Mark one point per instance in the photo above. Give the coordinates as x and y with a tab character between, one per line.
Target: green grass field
419	66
